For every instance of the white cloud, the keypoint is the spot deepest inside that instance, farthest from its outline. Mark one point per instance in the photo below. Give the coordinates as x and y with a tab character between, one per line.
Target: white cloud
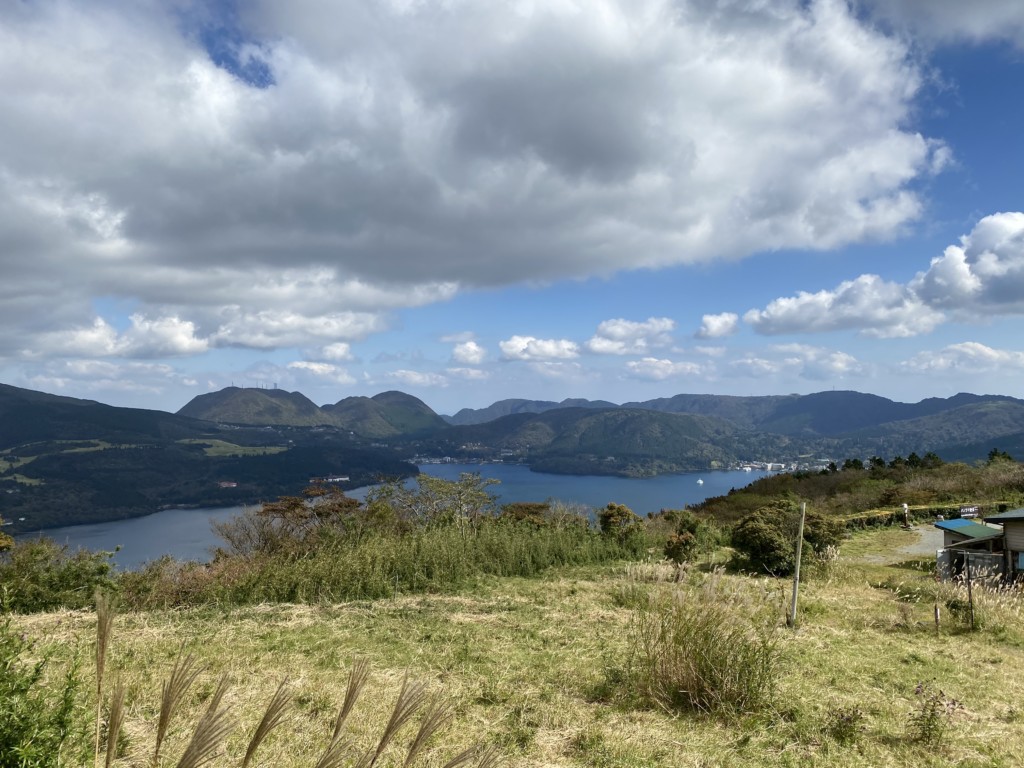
469	352
469	374
101	376
717	326
321	370
969	357
984	273
338	351
869	304
710	351
270	329
660	369
627	337
808	362
418	378
146	338
531	348
942	20
384	171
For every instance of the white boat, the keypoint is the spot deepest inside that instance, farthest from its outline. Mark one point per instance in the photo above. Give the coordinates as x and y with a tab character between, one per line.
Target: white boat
700	481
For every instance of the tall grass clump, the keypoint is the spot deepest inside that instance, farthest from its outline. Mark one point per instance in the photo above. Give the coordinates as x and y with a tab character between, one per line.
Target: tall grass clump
712	647
996	608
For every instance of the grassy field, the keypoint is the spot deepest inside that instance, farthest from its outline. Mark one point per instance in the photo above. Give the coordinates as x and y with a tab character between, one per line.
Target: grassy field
224	448
540	668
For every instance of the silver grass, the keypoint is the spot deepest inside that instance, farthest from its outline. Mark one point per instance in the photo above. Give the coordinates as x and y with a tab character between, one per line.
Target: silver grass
182	676
271	719
212	729
356	680
115	723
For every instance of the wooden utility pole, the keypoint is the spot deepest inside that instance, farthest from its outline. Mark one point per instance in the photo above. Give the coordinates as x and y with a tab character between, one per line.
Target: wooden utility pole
970	590
791	620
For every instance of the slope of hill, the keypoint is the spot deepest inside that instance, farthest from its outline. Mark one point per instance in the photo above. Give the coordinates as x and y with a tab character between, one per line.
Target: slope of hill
388	414
237	405
980	422
28	416
469	416
745	412
617	441
65	461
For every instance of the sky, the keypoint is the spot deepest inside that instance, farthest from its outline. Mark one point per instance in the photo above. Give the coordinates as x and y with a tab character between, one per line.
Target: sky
472	200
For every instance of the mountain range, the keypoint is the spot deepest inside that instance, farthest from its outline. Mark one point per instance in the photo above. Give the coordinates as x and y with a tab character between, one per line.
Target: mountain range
63	459
832	421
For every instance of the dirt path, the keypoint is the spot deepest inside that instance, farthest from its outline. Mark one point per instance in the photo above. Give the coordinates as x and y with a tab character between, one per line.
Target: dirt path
929	539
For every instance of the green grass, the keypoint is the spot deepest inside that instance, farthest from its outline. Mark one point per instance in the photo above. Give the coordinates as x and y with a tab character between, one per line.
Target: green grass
25	480
224	448
538	667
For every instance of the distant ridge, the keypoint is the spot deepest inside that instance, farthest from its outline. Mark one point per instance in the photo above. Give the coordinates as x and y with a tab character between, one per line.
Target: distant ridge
468	416
252	406
388	414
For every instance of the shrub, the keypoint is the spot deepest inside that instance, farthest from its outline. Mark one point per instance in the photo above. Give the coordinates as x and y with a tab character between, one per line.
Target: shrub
931	717
845	724
766	538
40	575
681	547
691	535
617	521
37	717
713	648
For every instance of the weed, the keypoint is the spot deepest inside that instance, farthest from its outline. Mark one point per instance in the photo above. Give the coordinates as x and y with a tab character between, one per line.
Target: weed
932	714
844	724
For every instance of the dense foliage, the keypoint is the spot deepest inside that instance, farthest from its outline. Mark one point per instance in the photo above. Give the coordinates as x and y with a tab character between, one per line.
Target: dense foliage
436	536
848	491
40	575
36	715
766	538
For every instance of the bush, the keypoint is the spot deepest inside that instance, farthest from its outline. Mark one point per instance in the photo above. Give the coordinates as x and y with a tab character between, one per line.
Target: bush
766	538
40	575
617	521
36	719
691	536
709	648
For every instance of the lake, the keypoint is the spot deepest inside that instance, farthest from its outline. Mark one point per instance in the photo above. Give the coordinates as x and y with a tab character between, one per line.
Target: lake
186	533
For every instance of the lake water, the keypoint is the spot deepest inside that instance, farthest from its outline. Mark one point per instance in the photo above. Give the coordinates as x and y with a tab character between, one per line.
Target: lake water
186	533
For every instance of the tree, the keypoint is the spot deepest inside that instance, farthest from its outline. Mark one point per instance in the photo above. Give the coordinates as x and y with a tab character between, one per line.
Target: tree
853	464
618	521
995	455
6	542
766	538
691	537
435	501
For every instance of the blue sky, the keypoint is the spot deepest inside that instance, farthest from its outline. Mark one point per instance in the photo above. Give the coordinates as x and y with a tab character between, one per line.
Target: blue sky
470	200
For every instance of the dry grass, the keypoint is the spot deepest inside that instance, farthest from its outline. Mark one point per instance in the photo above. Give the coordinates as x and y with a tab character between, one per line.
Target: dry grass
534	668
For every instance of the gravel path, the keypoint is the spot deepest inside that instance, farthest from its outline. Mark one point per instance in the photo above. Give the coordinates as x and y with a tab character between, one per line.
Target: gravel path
929	539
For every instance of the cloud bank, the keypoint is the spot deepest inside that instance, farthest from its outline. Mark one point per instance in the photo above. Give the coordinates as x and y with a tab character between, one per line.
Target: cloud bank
293	182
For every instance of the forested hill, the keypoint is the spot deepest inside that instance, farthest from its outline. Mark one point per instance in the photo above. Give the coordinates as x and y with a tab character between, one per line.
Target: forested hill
65	461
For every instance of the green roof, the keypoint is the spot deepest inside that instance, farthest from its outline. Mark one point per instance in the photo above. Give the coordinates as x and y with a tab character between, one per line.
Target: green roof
969	529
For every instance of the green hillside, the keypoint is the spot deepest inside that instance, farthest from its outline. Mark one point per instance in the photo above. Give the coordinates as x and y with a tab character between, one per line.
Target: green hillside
235	405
